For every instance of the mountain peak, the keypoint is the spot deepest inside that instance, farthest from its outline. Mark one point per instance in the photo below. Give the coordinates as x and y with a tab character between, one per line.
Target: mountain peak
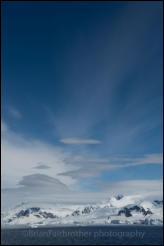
119	197
118	210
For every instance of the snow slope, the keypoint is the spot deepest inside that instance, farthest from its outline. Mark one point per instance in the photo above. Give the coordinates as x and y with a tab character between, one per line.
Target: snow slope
116	210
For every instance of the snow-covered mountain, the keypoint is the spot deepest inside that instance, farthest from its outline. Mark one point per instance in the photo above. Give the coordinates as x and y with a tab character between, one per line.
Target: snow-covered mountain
117	210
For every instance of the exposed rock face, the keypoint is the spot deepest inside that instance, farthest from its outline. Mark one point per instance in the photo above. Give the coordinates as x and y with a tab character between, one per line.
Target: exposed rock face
35	211
127	211
87	210
76	213
119	197
158	202
124	210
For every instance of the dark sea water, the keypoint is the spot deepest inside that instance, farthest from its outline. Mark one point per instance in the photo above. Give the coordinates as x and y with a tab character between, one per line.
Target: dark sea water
96	235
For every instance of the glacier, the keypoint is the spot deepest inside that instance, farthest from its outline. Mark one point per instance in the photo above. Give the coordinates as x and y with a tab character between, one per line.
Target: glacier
117	210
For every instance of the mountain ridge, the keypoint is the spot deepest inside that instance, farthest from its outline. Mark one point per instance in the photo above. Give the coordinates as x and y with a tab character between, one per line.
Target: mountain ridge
117	210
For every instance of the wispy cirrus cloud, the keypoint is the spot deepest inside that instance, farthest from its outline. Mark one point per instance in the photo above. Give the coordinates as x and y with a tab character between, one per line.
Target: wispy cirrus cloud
95	95
24	154
15	113
79	141
93	169
81	159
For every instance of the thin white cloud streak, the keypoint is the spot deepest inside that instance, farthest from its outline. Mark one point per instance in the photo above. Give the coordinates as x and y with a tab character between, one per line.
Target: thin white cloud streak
79	141
150	158
93	92
79	159
14	113
90	170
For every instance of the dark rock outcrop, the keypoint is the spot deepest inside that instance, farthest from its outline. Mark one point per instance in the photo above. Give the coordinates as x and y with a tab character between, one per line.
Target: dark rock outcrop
127	211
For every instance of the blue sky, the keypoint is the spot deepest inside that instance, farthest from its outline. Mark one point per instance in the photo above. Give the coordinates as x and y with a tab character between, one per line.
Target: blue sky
84	81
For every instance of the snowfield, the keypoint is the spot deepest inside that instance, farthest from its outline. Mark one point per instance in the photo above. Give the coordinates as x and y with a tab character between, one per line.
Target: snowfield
116	210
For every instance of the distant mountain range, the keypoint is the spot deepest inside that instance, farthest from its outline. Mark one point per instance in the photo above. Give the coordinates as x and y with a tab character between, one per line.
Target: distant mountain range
117	210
